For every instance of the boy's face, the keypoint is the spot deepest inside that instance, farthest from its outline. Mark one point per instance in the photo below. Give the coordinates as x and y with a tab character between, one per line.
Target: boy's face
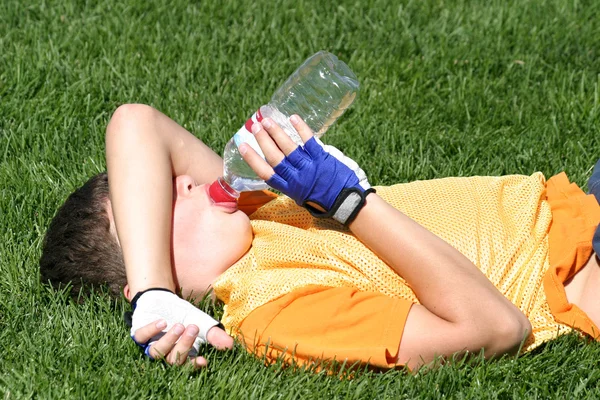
207	238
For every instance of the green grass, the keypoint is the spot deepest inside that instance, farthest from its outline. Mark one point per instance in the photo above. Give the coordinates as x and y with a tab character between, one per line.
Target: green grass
448	88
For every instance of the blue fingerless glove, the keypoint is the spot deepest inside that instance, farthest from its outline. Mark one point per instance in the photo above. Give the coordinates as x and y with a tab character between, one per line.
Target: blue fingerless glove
310	174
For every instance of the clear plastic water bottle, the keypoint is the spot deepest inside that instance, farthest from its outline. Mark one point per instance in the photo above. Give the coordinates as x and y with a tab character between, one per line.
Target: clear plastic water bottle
319	91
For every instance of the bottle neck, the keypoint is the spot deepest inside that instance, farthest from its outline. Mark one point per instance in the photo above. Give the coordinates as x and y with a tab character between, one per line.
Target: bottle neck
221	192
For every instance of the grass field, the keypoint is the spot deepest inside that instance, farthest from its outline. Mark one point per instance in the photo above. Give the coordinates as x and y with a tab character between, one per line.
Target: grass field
448	88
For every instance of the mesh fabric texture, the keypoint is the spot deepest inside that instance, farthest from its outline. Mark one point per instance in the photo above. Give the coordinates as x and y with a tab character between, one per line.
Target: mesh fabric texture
500	223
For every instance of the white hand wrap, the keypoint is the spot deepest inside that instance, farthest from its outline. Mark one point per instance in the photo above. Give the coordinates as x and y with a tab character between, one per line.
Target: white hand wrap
154	305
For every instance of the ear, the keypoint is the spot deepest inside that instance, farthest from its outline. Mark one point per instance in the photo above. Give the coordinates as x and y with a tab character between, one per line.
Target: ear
184	185
127	292
111	220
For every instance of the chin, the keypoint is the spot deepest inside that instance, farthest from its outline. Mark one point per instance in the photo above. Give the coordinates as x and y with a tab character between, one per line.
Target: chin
243	244
245	233
237	244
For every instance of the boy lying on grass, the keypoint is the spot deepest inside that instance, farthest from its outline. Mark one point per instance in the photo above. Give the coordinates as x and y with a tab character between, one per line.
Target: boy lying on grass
397	277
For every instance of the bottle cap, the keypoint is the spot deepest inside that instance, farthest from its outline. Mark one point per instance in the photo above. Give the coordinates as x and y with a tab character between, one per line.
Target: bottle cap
221	192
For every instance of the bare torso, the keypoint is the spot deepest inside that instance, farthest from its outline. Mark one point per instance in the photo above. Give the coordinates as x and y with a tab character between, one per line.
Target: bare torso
583	289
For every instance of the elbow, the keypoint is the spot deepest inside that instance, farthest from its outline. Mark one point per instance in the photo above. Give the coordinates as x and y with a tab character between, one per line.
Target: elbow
128	122
509	334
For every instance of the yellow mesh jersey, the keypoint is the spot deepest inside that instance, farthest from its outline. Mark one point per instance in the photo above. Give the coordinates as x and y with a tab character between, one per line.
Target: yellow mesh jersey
500	223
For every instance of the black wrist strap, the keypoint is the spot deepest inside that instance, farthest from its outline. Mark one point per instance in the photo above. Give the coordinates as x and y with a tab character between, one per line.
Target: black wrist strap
139	294
346	206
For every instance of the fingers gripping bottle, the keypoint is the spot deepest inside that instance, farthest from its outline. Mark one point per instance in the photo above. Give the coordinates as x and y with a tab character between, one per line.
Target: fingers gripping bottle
319	91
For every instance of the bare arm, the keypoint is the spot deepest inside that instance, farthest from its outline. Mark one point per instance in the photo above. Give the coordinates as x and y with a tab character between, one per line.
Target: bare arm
144	151
460	308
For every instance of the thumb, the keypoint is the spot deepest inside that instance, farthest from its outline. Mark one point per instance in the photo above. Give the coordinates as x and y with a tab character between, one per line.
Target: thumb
219	338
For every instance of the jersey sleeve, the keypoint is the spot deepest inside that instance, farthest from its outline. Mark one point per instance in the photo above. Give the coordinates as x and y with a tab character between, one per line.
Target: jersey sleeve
316	323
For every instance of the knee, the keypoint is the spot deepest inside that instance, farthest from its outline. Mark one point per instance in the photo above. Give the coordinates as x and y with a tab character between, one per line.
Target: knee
594	182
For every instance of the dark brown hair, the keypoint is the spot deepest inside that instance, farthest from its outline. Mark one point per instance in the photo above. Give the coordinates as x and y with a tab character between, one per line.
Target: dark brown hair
79	248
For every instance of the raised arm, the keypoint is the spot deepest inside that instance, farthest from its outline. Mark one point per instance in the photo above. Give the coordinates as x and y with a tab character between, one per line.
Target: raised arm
460	309
144	151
